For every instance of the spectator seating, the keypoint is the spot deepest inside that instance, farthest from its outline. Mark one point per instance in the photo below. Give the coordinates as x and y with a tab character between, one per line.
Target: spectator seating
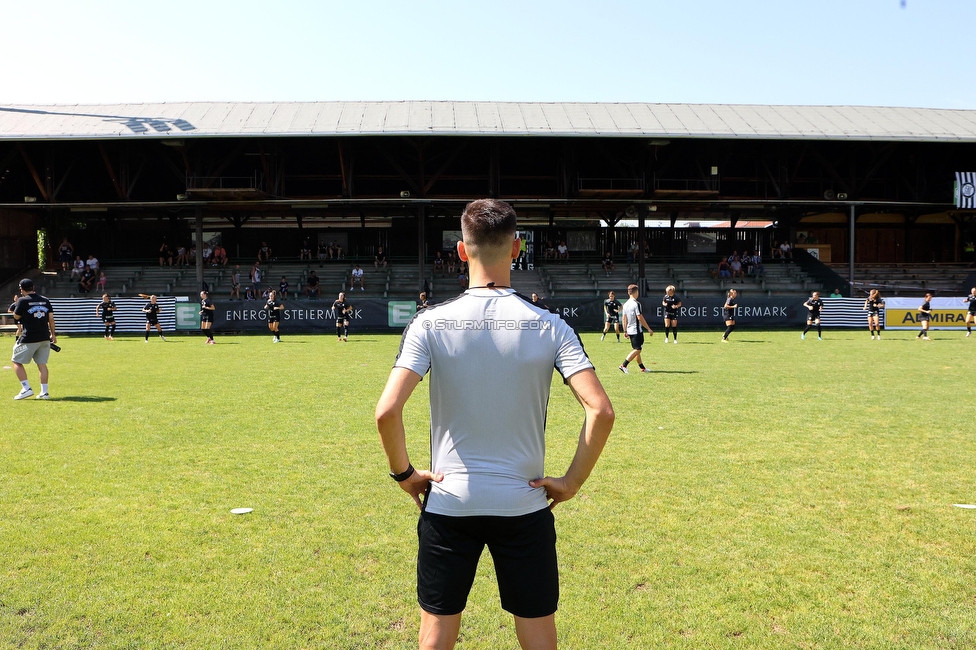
947	278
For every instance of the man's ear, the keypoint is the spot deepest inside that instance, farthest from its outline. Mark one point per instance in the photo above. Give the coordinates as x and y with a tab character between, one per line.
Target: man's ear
462	253
516	248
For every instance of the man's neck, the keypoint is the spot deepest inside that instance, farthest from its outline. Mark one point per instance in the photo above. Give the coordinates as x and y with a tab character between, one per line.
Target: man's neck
499	275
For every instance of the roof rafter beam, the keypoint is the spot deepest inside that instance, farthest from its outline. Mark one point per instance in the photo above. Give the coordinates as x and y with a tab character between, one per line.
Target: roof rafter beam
399	170
111	171
443	168
33	172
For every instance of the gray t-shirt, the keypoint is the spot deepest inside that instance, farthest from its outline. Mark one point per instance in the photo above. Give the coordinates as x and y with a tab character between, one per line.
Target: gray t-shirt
631	309
490	353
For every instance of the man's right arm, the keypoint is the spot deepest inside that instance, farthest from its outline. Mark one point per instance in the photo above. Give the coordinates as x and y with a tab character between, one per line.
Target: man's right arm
389	423
596	429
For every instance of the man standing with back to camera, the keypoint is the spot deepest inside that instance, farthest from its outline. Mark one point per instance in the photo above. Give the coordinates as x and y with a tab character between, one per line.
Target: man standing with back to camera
490	354
36	315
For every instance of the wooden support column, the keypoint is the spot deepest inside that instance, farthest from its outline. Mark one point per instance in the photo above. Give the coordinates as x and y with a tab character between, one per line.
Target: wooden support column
641	215
850	253
421	244
199	243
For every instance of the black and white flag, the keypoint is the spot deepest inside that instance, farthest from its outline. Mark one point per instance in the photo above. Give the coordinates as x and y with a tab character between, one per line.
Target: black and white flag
965	191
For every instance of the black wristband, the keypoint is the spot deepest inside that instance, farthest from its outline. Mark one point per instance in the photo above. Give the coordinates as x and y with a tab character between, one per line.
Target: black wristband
404	475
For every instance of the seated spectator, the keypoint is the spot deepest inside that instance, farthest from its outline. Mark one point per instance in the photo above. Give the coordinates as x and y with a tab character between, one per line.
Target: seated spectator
723	269
93	264
219	256
283	288
462	278
785	251
248	292
757	264
336	250
438	264
264	252
607	263
191	255
181	255
562	251
736	267
78	268
207	254
734	254
323	251
836	294
379	260
451	262
357	276
747	263
102	281
312	285
87	281
550	252
775	252
633	252
305	252
165	254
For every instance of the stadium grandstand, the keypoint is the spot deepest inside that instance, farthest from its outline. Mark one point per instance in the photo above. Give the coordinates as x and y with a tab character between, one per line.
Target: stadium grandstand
862	196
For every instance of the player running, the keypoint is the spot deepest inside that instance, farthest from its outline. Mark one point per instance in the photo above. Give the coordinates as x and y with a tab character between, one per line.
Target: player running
275	309
672	304
924	314
873	305
815	305
106	311
151	310
342	309
207	310
728	311
971	314
611	314
634	325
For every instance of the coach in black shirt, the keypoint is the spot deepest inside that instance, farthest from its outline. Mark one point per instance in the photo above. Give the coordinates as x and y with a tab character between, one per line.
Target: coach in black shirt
35	314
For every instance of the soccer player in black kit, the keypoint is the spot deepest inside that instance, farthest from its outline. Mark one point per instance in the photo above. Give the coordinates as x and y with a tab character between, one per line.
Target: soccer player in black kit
611	313
671	304
924	314
874	304
815	305
342	309
151	310
207	310
106	311
971	315
274	308
728	311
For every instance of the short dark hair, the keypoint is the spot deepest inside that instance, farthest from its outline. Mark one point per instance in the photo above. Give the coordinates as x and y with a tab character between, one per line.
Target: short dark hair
488	222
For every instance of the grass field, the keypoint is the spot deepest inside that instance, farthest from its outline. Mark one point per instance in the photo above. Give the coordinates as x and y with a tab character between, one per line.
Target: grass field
767	493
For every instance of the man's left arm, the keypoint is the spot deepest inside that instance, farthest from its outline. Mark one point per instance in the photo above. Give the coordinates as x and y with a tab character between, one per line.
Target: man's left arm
389	423
593	437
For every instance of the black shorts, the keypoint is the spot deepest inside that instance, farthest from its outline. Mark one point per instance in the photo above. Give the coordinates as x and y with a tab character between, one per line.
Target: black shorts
613	319
274	319
813	316
972	313
152	321
637	340
523	550
206	319
668	316
108	321
923	318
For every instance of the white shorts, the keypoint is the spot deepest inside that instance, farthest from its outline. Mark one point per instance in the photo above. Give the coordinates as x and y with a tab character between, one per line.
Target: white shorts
38	352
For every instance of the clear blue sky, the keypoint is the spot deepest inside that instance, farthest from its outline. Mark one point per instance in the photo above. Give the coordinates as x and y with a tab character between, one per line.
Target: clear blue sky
868	52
